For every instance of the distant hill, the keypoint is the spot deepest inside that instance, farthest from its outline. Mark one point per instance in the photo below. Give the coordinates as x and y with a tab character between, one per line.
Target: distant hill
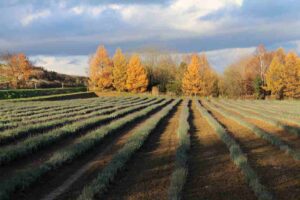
43	78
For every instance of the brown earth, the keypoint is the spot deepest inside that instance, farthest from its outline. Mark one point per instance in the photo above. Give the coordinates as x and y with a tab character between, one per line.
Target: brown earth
212	174
277	170
288	138
147	175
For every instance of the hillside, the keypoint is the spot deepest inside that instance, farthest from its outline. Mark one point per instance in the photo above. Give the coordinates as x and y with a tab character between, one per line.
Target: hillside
44	79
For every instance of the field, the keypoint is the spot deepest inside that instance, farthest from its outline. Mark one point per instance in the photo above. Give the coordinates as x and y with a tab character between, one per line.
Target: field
140	147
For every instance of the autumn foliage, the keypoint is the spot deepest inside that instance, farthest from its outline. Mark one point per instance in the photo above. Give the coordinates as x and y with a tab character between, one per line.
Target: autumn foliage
119	71
100	70
199	78
137	80
106	74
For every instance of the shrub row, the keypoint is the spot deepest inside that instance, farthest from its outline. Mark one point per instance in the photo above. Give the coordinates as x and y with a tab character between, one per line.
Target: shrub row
134	142
237	155
24	179
33	144
180	172
276	141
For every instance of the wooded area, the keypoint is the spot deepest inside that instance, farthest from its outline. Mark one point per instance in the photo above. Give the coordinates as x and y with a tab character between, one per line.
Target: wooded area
259	75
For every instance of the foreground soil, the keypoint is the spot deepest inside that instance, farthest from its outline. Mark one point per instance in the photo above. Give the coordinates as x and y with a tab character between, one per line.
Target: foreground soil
212	174
147	175
53	184
278	171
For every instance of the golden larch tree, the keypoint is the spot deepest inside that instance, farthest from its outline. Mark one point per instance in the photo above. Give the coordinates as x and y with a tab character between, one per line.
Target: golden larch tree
137	80
292	75
208	76
119	71
192	81
275	77
100	71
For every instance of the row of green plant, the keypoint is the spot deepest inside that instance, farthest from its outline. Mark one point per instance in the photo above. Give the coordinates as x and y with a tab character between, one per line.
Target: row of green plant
271	119
44	108
83	145
38	128
180	172
276	102
64	113
288	112
41	117
12	106
276	141
41	128
238	157
33	144
22	93
119	160
289	109
99	106
268	110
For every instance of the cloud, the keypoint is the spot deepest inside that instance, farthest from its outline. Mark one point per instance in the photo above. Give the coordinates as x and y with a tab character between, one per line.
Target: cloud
29	18
74	27
72	65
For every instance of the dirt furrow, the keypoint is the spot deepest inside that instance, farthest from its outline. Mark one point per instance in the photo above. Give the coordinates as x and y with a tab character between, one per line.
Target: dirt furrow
147	175
212	174
40	156
278	171
68	181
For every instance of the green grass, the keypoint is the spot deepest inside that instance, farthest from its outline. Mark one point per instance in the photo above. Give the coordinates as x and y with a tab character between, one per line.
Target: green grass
25	93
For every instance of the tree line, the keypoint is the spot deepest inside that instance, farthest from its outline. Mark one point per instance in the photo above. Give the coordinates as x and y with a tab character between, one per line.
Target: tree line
258	75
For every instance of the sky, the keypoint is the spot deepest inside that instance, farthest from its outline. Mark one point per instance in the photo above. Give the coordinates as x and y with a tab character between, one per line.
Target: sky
61	34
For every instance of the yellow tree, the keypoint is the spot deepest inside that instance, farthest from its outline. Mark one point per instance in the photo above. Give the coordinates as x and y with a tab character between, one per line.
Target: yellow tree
100	71
119	71
192	82
208	76
137	80
292	75
275	77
